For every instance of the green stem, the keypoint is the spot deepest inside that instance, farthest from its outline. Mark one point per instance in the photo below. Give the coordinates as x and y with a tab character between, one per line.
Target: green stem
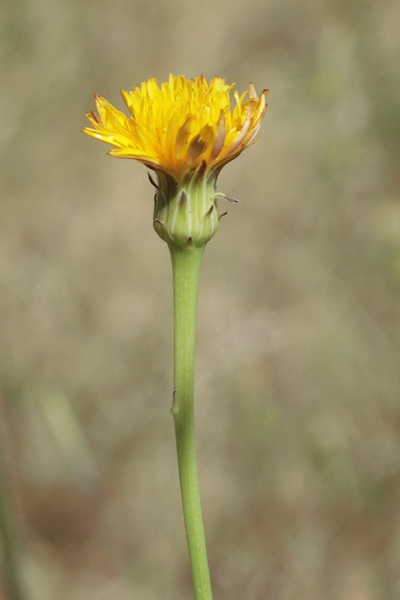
186	268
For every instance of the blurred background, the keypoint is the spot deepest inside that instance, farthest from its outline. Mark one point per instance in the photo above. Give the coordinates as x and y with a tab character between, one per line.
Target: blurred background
297	368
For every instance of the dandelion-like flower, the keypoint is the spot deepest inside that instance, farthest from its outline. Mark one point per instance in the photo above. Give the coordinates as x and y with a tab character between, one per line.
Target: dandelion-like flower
185	131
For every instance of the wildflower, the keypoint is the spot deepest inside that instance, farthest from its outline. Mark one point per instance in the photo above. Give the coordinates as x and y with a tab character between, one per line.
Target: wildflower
185	132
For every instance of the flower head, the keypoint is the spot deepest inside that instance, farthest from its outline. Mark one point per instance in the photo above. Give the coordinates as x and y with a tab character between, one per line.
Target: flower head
186	132
177	127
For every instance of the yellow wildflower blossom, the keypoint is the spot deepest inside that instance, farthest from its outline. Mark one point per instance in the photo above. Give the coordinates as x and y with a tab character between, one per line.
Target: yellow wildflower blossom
186	132
178	126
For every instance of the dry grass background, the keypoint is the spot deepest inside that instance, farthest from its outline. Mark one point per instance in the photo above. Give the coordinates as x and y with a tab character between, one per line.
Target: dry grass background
298	380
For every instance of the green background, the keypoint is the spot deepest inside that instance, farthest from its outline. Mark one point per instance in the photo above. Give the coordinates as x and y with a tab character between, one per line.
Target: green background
297	368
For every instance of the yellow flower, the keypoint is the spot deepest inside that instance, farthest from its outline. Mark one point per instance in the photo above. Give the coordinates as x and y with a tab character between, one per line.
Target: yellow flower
186	132
178	126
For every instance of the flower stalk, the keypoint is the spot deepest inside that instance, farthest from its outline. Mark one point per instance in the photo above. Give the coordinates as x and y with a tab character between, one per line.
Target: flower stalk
186	269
